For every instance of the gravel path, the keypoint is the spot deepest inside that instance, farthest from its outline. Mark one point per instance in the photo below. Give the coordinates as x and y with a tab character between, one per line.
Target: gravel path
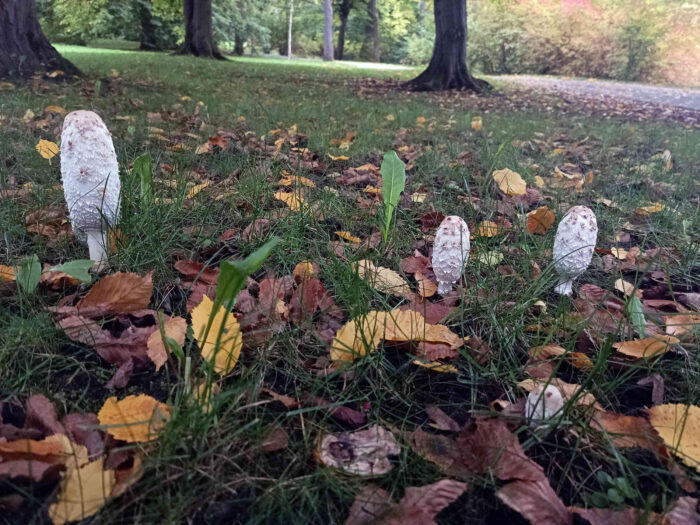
677	97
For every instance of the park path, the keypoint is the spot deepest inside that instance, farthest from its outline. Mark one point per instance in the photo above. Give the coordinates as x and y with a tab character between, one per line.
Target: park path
677	97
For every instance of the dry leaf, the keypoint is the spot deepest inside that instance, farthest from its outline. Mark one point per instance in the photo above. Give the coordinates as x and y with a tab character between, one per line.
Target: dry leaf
652	207
536	501
627	288
119	293
477	123
383	279
47	149
158	352
194	190
294	201
510	182
540	220
487	229
435	366
83	492
647	347
304	271
289	179
7	273
223	356
426	287
679	427
363	453
348	236
135	419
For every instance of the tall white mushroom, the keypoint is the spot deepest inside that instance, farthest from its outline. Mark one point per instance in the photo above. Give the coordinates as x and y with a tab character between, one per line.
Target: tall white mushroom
450	252
574	244
90	174
543	403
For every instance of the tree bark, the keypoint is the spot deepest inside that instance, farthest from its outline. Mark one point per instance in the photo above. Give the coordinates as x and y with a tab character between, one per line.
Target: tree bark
448	66
328	30
199	40
370	47
289	30
24	49
148	29
343	13
238	40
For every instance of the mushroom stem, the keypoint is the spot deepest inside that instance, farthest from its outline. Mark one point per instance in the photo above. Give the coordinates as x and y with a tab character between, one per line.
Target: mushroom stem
97	245
565	287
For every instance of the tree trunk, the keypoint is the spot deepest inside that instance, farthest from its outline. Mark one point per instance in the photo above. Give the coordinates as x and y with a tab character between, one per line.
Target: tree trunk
370	47
448	65
199	40
343	13
289	31
238	40
328	30
148	29
24	49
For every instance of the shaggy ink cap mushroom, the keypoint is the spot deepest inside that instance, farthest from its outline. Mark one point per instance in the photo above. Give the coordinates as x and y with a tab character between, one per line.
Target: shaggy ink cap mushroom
450	252
574	244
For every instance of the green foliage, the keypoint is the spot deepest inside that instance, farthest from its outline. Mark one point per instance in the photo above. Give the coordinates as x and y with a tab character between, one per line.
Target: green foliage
78	269
29	273
143	168
393	183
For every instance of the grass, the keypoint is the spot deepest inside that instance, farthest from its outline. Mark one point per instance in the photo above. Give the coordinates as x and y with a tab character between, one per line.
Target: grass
207	468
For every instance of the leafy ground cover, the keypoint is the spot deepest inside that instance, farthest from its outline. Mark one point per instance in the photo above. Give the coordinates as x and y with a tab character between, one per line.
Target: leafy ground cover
103	413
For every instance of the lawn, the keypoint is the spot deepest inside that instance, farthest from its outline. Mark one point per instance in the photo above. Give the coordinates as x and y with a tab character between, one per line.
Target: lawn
251	452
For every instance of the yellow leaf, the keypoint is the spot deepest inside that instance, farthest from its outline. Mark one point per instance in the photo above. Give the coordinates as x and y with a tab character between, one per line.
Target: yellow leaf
339	157
418	197
411	326
47	149
539	181
358	337
348	237
55	109
346	141
135	419
652	207
540	220
679	427
6	86
436	366
627	288
72	454
477	123
28	116
223	356
619	253
294	200
83	492
510	182
647	347
158	351
426	287
420	120
383	279
390	117
7	273
372	189
304	271
288	180
194	190
487	229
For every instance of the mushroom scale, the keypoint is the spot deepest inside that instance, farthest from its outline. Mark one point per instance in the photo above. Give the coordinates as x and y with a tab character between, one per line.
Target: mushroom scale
574	244
90	174
450	252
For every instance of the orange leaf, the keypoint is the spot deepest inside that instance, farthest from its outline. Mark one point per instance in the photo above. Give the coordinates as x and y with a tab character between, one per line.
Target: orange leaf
540	220
647	347
158	351
135	419
120	293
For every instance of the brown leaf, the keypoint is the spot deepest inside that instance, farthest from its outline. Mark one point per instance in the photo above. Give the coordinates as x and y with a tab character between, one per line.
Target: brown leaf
256	230
684	512
122	376
370	505
175	328
441	421
434	313
119	293
536	501
41	414
341	413
197	271
417	263
275	439
540	220
627	431
420	505
289	402
363	453
626	516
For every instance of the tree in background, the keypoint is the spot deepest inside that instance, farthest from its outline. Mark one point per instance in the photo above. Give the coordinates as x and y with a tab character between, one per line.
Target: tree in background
24	49
328	30
370	47
448	65
343	13
148	42
199	38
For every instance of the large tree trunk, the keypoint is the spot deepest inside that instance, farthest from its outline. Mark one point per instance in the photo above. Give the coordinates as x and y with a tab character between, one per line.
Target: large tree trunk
370	47
148	29
199	40
238	40
24	49
328	30
343	13
448	65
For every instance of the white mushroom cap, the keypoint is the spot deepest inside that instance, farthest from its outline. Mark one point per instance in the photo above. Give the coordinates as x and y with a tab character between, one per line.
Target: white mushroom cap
574	244
543	403
450	252
90	174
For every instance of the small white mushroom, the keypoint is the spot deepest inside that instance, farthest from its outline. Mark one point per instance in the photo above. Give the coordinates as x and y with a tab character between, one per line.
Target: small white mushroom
574	244
450	252
90	174
543	403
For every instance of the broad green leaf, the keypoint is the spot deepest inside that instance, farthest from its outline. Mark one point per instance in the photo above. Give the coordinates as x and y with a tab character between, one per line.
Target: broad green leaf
636	313
29	273
143	167
78	269
393	183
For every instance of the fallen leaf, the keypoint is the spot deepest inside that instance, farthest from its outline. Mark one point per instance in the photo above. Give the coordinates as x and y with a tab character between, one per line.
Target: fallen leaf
119	293
346	141
304	271
679	427
435	366
47	149
348	236
363	453
289	179
627	431
7	273
294	201
652	207
510	182
223	356
383	279
487	229
476	123
627	288
647	347
536	501
540	220
194	190
619	253
83	493
175	328
426	287
135	419
441	421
